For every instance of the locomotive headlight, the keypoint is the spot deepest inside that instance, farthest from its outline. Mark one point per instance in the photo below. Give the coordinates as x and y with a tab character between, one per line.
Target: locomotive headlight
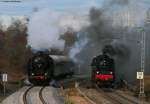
45	74
32	74
97	72
111	72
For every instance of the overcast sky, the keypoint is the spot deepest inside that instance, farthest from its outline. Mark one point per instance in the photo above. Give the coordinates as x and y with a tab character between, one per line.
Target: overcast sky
26	6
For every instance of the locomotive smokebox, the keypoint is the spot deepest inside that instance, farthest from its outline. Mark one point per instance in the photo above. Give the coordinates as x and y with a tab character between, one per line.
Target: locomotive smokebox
103	70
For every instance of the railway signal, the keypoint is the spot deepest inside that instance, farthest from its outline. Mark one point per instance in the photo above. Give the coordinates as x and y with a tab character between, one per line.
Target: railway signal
142	93
139	75
4	80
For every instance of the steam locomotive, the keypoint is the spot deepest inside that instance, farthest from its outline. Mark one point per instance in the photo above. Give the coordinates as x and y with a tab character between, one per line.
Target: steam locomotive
103	70
42	68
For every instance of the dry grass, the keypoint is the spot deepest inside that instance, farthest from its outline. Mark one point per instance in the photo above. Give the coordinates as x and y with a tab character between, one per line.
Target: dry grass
147	83
73	97
147	86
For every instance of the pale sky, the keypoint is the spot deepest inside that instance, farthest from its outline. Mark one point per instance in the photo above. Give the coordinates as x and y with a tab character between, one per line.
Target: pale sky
26	6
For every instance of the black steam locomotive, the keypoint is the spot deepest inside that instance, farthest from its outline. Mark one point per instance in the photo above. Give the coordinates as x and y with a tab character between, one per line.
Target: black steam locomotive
42	68
103	70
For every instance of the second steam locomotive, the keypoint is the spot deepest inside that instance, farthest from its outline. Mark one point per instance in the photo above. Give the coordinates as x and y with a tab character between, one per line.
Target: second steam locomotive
103	70
42	68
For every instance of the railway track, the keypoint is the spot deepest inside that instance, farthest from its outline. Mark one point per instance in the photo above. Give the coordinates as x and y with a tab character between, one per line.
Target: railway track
25	101
115	97
25	95
111	95
41	96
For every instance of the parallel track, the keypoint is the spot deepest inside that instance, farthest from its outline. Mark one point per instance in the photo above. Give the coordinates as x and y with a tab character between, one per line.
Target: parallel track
25	95
133	102
115	97
40	95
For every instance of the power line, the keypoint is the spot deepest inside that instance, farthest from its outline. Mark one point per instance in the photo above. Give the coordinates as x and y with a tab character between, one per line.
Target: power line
10	1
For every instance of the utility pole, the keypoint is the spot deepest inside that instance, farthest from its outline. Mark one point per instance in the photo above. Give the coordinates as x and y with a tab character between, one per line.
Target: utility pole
141	93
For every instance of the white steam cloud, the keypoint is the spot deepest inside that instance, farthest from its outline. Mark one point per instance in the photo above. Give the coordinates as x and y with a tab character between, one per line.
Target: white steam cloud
45	28
77	49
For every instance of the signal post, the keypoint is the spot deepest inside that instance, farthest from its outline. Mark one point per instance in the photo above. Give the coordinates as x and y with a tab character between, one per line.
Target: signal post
4	80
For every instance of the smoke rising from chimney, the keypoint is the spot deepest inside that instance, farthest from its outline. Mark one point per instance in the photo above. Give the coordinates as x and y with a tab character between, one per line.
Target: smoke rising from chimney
112	28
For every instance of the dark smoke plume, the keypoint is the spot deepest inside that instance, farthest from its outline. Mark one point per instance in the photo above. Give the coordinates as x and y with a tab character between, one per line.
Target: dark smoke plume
100	27
93	38
119	50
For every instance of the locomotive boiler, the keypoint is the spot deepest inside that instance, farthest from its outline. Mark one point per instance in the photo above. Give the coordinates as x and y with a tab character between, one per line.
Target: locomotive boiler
103	70
43	67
